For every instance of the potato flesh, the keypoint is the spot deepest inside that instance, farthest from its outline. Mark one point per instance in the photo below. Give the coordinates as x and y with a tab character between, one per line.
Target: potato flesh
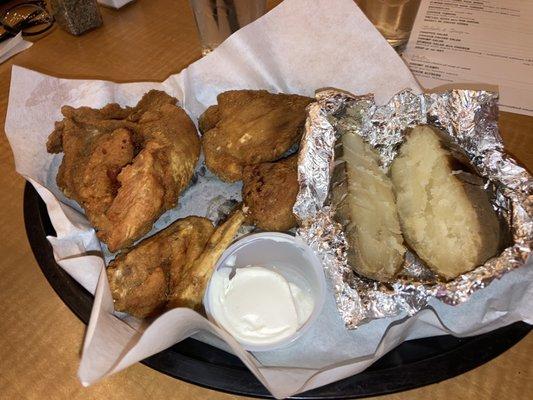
373	233
448	222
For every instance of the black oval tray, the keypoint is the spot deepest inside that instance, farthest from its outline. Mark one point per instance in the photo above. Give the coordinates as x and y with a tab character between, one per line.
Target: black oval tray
412	364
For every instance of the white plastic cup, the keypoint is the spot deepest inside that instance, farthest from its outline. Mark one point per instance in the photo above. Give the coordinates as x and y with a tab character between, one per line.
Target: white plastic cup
287	255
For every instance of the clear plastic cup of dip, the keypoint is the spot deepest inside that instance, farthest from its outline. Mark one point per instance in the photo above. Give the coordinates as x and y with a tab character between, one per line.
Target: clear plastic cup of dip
287	255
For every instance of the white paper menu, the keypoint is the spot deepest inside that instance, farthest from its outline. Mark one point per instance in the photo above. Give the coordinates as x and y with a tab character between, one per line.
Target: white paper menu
486	42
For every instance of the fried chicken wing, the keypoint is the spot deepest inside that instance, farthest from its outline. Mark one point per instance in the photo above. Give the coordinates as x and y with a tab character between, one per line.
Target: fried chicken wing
269	192
125	166
142	278
249	127
189	291
171	268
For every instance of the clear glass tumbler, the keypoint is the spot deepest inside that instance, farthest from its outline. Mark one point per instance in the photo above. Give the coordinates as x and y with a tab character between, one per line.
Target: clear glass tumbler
393	18
218	19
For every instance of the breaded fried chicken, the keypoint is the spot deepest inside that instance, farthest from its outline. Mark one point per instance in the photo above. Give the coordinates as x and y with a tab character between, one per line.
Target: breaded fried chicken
269	191
125	166
142	279
250	127
171	268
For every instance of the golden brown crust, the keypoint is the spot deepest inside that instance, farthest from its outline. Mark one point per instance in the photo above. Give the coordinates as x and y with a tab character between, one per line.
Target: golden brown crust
189	291
255	126
142	278
209	119
172	268
269	192
126	166
54	144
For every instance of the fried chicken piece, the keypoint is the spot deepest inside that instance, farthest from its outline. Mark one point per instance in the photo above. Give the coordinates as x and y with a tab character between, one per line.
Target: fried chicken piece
125	166
189	291
95	183
171	268
250	127
209	119
269	191
142	278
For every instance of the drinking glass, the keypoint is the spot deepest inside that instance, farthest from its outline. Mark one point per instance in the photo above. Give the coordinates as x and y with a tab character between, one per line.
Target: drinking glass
218	19
393	18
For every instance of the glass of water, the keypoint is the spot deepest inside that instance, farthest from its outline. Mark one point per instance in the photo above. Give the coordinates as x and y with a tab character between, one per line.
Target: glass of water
393	18
218	19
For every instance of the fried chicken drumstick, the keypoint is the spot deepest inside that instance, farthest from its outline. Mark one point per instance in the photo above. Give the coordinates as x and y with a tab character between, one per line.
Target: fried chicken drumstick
125	166
172	268
250	127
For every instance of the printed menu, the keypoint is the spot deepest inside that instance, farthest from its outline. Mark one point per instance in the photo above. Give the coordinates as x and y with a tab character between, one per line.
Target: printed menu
457	43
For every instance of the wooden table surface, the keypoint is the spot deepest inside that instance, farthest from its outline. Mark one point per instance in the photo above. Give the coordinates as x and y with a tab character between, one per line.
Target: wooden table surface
40	339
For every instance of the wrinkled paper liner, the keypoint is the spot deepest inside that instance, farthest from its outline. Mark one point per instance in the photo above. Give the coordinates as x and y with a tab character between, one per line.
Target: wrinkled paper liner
469	119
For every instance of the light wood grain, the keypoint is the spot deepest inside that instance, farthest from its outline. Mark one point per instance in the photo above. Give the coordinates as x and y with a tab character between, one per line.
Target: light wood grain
40	339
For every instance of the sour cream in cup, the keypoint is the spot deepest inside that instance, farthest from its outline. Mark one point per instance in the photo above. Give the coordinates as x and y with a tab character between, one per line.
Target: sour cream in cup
267	289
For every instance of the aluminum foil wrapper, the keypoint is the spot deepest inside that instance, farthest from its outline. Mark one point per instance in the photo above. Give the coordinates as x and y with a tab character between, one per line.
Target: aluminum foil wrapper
469	118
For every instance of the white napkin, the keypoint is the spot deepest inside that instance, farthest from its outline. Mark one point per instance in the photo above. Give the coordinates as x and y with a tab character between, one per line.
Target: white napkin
10	47
300	46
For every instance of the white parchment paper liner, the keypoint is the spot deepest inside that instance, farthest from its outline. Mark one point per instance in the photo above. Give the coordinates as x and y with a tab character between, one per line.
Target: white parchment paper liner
300	46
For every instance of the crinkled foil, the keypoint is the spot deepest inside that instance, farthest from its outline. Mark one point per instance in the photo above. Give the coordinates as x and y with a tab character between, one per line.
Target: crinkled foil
470	119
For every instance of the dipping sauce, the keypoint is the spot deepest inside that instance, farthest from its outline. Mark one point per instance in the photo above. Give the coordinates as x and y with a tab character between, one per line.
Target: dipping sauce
257	305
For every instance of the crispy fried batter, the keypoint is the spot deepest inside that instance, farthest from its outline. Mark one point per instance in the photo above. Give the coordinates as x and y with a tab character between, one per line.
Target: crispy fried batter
125	166
171	268
190	289
269	191
209	119
141	279
253	126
